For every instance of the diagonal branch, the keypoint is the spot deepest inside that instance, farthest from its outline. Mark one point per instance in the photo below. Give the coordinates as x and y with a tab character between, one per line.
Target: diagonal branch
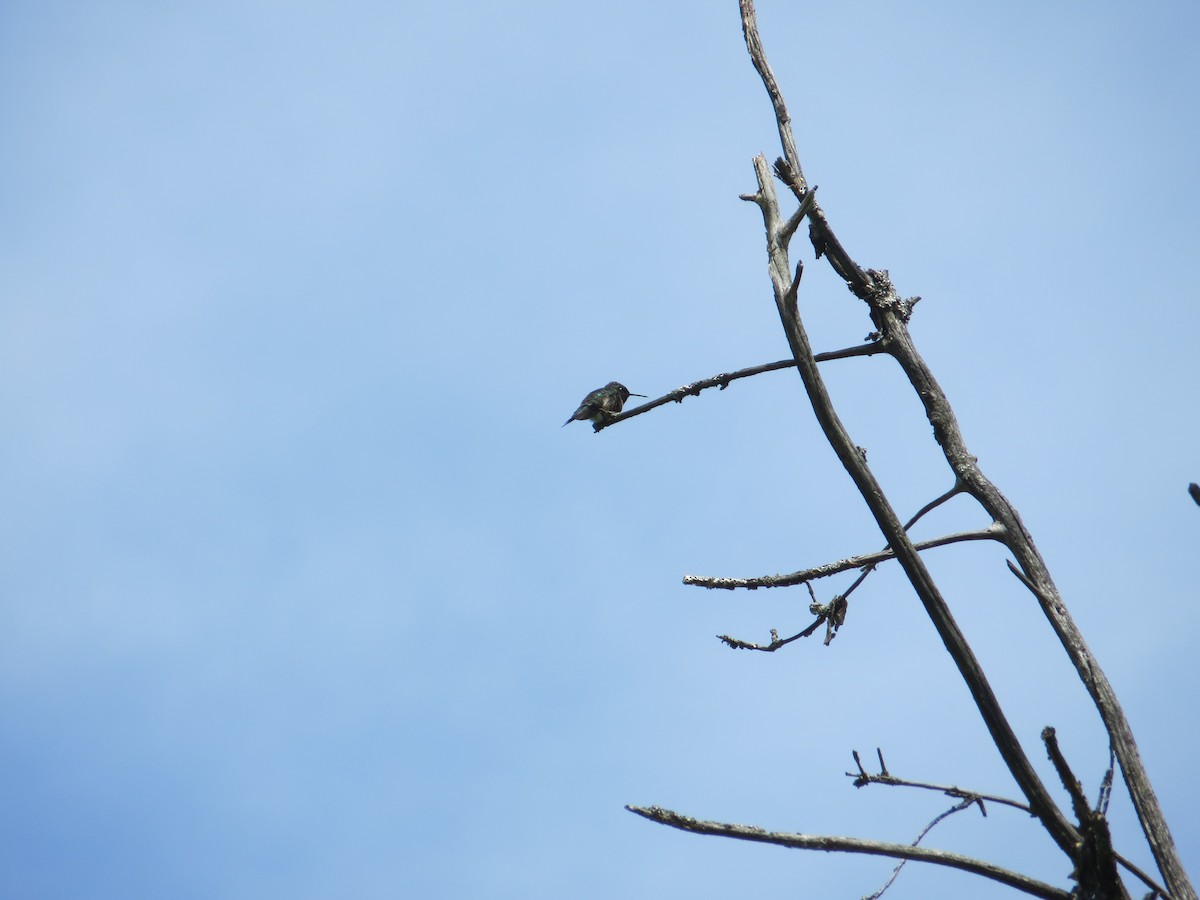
831	615
853	845
693	390
890	315
906	553
789	170
937	820
991	533
1036	577
933	504
723	380
1056	824
776	641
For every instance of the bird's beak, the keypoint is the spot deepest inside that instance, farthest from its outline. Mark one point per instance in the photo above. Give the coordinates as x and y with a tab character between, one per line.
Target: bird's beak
632	394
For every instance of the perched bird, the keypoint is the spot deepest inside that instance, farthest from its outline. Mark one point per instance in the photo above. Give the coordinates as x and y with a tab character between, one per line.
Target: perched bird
602	403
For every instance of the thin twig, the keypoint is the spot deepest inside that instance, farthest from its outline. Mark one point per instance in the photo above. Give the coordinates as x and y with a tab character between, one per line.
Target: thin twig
862	778
928	507
776	640
991	533
832	614
853	845
934	504
862	576
958	807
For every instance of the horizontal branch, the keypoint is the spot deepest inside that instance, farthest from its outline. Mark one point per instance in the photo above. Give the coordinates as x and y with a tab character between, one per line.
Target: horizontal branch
722	381
991	533
853	845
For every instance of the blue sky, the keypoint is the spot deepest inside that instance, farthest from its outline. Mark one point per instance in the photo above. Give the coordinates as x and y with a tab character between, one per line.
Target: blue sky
304	592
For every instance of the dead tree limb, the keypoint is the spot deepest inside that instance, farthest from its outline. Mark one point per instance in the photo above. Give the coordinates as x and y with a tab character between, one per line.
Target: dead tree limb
1088	845
991	533
853	845
785	285
890	314
723	380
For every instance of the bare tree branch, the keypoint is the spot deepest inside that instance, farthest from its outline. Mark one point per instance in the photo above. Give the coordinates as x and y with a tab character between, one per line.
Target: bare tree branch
864	285
862	778
928	507
853	845
831	615
693	390
890	314
776	640
723	380
932	505
1089	845
991	533
868	349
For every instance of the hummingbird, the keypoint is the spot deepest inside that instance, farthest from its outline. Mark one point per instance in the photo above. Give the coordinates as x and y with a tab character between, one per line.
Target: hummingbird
602	403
